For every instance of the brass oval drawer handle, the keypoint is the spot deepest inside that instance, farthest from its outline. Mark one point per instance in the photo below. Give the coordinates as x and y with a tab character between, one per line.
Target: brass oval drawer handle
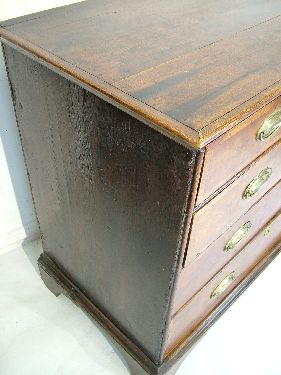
257	183
238	236
270	126
267	230
223	285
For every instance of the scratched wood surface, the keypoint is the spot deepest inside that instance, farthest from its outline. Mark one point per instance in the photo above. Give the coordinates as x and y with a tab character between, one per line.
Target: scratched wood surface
199	65
111	197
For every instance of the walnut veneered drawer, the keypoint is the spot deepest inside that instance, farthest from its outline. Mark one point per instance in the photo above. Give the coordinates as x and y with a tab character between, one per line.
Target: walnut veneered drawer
233	151
198	308
194	276
226	208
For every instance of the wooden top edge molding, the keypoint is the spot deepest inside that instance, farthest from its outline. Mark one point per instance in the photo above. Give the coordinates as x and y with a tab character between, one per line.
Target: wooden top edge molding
188	71
136	108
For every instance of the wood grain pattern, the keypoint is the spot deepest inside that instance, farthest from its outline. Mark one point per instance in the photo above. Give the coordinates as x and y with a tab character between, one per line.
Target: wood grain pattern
212	220
200	306
58	283
190	69
203	85
102	184
114	197
194	276
233	151
135	360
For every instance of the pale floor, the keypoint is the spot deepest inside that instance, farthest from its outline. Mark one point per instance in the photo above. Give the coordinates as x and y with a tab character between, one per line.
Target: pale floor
44	335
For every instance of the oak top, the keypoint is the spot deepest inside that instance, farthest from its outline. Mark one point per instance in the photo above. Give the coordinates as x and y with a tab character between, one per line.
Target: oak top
191	68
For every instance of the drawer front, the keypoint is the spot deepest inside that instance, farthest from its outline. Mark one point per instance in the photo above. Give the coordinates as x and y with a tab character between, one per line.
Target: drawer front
233	151
212	220
202	304
193	277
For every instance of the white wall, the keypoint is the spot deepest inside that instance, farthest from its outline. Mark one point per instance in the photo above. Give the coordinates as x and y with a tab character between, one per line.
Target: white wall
17	217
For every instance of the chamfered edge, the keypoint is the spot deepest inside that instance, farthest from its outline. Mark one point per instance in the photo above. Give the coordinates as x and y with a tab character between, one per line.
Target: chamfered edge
147	114
161	122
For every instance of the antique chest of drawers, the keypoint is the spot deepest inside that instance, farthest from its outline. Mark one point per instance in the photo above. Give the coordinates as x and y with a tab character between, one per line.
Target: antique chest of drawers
152	137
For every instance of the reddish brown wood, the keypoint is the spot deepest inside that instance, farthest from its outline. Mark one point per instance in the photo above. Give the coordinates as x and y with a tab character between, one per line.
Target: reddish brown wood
201	305
59	283
226	208
187	68
193	277
233	151
115	102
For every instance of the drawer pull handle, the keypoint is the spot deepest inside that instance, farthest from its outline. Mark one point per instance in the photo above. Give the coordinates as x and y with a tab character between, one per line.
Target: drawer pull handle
270	126
257	183
238	236
223	285
267	231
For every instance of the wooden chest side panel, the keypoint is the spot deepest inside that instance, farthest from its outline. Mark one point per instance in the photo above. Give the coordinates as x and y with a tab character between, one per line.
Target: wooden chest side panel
110	195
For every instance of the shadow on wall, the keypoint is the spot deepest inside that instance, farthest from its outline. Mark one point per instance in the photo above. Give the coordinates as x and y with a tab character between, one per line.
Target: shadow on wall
17	217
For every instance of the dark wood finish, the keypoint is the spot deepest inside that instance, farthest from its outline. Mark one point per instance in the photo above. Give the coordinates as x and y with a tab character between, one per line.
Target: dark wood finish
212	220
188	342
135	360
194	276
58	283
107	180
201	305
124	109
208	83
189	68
233	151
